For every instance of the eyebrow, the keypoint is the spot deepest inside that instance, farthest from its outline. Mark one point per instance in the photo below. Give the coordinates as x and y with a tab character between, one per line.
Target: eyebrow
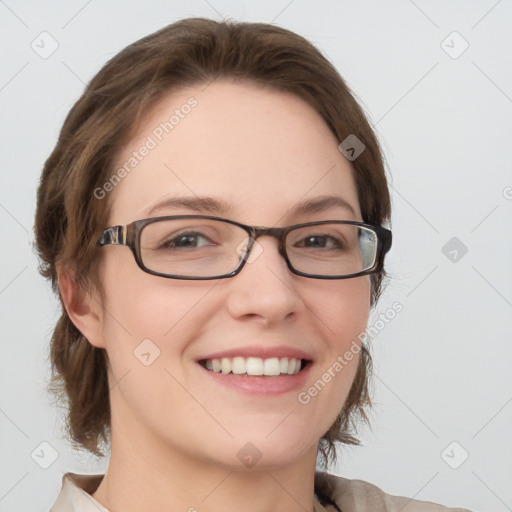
320	204
218	207
198	204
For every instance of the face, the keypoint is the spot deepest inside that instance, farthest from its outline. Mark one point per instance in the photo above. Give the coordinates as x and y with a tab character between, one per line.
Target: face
261	155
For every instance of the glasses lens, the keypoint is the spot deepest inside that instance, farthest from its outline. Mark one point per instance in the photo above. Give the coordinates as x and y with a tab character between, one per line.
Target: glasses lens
332	249
192	247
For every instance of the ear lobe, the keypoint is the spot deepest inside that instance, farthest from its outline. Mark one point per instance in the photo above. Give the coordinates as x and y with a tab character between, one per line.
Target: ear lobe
82	308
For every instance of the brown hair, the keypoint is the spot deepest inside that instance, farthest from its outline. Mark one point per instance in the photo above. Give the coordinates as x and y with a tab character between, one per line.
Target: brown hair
70	217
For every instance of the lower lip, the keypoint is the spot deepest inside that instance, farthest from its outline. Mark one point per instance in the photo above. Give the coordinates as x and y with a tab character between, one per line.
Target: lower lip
261	385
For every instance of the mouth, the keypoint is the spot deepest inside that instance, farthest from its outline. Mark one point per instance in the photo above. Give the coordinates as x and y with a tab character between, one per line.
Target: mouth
256	366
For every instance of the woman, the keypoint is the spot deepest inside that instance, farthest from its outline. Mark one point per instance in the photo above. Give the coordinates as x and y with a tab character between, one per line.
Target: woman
211	356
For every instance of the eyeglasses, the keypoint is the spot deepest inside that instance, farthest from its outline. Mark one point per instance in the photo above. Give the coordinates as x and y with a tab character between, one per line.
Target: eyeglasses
205	247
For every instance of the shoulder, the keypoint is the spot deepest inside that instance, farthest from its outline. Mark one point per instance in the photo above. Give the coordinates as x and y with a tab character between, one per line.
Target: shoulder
359	496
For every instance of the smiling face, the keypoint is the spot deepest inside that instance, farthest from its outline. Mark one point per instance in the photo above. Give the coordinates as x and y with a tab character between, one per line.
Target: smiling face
262	158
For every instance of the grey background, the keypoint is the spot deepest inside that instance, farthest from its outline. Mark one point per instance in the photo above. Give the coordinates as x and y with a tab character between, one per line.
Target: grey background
443	364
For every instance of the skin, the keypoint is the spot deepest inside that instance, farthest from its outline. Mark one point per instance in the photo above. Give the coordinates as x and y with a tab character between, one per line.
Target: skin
175	435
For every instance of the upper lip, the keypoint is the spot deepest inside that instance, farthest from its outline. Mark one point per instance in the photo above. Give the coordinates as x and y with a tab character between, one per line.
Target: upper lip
259	351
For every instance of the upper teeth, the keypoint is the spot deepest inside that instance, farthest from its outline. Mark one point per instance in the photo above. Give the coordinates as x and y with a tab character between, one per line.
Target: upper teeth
254	365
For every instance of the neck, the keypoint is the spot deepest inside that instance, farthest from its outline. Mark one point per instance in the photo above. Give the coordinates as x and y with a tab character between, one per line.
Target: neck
162	479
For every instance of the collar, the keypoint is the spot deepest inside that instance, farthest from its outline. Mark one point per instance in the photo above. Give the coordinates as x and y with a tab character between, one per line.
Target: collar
75	495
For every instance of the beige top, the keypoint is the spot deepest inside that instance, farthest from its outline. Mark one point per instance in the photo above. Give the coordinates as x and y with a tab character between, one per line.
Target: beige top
349	495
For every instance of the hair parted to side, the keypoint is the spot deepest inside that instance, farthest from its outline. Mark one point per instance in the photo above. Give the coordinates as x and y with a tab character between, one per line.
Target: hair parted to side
69	217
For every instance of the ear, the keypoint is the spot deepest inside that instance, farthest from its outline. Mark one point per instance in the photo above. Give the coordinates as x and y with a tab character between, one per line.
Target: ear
82	306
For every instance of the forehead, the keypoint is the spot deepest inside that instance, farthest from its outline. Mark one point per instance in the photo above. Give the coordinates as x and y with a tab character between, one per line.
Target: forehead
259	151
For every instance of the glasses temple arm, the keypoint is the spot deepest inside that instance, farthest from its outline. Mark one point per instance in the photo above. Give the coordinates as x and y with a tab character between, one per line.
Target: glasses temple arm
116	235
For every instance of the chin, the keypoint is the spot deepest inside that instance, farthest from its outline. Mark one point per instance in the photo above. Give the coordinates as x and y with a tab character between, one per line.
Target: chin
265	452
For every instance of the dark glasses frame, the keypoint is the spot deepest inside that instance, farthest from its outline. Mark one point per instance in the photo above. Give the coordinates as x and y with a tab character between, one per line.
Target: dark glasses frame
130	234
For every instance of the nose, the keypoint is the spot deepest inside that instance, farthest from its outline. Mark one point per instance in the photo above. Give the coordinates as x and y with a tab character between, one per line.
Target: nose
265	289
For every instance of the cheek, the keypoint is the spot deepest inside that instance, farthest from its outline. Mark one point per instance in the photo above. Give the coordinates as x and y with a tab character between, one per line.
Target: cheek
342	308
138	305
140	312
342	312
150	325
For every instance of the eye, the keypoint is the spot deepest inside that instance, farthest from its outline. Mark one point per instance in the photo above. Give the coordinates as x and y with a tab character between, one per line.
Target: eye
187	240
320	241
